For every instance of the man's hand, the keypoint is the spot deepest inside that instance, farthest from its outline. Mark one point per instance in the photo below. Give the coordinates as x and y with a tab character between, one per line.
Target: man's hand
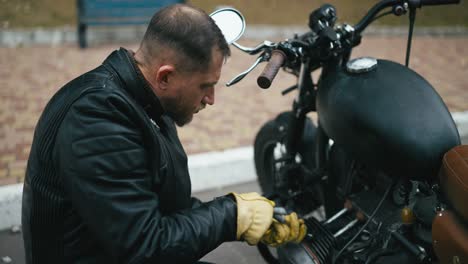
289	229
254	216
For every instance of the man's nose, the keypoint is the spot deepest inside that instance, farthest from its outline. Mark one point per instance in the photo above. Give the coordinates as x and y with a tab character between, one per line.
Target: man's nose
209	97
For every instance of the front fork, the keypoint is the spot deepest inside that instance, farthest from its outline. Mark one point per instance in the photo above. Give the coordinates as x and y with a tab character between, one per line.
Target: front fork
303	104
292	174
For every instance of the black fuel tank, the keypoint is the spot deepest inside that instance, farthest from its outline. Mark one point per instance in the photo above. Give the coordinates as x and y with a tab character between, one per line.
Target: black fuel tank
390	117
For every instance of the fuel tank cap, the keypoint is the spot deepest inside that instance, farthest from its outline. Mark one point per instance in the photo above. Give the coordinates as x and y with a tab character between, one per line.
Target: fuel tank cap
362	64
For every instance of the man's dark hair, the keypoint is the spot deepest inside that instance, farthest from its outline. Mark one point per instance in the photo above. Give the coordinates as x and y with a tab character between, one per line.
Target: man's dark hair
189	32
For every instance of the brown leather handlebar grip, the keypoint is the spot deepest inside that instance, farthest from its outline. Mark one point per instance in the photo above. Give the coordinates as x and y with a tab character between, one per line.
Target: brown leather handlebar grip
271	69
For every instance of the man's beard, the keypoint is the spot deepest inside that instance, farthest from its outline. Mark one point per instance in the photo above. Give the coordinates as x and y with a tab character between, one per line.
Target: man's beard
174	108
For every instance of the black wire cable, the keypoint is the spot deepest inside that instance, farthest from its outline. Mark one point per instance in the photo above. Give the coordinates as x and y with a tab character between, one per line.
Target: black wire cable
412	18
365	225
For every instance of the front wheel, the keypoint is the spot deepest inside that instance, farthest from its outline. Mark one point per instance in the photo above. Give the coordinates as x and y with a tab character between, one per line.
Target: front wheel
270	135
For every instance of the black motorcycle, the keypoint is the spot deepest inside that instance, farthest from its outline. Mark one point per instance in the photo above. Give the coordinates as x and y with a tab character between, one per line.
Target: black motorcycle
365	177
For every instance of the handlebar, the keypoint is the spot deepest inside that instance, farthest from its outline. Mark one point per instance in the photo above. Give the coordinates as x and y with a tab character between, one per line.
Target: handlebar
328	37
438	2
256	50
367	19
271	69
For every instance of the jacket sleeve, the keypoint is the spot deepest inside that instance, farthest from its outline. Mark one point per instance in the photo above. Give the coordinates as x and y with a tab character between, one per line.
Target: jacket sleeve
101	155
196	202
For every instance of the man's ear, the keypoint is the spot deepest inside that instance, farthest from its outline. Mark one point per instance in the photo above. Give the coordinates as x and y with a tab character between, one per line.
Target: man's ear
163	75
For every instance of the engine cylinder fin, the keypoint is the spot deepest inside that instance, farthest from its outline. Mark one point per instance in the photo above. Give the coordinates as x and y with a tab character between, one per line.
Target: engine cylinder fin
322	241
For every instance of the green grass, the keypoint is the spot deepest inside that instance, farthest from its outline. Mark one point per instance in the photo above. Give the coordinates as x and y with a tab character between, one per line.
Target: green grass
53	13
37	13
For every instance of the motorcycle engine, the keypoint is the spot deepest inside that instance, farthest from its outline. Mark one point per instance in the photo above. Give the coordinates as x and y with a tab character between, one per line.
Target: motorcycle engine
381	222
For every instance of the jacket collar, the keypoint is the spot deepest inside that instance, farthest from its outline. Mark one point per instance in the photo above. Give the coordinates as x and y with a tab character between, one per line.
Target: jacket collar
123	63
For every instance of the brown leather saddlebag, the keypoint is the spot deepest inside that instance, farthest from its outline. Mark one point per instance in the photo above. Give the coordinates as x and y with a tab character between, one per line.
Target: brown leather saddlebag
449	238
450	228
453	178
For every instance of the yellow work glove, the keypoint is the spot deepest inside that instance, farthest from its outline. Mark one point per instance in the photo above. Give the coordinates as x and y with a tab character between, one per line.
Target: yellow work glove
297	227
277	234
292	229
254	216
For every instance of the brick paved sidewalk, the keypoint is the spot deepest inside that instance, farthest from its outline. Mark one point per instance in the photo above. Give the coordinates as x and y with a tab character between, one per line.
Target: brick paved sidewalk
30	75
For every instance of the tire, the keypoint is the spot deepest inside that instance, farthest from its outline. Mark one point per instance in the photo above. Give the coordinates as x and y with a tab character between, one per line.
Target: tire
269	135
272	132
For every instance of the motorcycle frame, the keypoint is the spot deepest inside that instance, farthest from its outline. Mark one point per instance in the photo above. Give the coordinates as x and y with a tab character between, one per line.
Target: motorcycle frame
305	102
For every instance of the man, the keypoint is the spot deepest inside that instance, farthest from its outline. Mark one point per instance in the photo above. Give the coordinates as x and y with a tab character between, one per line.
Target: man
107	178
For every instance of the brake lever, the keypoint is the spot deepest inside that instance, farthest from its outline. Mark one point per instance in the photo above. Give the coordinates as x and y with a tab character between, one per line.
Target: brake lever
264	57
252	51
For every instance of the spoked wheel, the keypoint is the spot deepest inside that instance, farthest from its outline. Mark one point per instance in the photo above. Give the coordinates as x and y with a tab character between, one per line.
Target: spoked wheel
272	133
265	142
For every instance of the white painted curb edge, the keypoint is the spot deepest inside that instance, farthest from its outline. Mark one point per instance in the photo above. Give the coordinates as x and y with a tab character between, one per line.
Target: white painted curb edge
217	169
461	119
103	34
208	171
10	205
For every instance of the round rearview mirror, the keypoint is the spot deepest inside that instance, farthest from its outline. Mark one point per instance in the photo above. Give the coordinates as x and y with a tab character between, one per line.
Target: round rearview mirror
231	22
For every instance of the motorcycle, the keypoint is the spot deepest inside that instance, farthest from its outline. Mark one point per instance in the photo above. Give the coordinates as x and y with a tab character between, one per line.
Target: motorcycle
366	178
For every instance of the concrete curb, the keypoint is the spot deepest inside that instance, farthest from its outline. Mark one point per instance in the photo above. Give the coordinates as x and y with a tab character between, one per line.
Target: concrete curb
208	171
217	169
103	34
461	119
10	205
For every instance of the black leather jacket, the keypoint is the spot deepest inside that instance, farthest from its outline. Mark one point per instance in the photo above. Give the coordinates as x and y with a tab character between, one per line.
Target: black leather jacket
107	178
